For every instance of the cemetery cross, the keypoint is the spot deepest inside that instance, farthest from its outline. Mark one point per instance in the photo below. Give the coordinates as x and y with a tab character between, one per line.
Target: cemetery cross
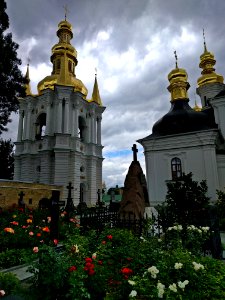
135	151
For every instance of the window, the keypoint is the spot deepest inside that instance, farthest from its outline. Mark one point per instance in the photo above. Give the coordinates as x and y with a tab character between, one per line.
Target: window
176	168
40	126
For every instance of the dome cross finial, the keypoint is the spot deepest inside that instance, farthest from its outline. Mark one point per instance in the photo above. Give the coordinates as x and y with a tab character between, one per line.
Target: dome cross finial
66	10
175	54
203	32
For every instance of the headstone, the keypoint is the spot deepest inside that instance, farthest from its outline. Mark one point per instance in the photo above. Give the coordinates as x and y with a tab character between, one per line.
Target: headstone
99	203
69	204
21	203
135	195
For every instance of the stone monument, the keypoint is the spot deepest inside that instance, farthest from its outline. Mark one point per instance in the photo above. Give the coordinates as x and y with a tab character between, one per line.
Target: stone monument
135	195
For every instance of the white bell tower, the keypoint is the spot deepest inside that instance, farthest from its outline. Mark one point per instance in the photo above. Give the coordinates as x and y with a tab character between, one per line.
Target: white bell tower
59	132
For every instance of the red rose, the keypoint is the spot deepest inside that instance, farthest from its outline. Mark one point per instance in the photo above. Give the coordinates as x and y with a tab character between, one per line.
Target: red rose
103	242
100	262
88	260
109	237
129	259
91	272
126	272
72	268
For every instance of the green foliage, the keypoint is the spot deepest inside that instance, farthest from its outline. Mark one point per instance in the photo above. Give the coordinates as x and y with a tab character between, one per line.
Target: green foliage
50	272
181	276
6	159
186	202
9	283
220	204
14	257
117	265
11	80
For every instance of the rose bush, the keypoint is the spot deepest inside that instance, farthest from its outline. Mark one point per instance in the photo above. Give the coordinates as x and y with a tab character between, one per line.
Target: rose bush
112	265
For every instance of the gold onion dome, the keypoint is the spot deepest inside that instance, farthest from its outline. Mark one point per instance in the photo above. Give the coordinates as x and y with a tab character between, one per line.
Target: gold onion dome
207	62
197	107
64	60
178	83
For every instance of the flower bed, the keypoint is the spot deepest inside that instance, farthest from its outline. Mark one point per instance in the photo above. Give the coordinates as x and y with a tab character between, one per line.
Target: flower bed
115	264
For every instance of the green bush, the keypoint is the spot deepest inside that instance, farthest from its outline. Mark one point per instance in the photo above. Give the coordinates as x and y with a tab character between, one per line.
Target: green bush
9	283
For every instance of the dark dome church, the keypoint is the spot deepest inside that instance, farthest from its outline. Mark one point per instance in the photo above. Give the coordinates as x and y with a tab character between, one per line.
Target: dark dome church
189	139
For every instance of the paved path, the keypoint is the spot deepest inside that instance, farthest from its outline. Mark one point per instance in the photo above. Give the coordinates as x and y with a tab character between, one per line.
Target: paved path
21	272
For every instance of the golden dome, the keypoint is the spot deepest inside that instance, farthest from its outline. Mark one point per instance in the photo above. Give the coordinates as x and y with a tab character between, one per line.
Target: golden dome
196	107
207	62
64	60
178	83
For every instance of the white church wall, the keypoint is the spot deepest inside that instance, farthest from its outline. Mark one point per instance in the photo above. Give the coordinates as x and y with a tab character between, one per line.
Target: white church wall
197	155
221	170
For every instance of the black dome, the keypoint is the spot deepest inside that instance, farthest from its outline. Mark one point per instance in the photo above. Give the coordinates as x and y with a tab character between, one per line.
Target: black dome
182	118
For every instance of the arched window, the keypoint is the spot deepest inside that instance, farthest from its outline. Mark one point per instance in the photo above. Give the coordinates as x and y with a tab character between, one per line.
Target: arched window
82	128
40	126
176	168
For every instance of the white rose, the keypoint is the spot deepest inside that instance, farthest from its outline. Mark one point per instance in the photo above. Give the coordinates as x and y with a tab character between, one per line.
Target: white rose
133	293
173	287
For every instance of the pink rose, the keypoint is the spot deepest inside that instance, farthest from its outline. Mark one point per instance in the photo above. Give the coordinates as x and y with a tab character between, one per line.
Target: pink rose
2	293
35	249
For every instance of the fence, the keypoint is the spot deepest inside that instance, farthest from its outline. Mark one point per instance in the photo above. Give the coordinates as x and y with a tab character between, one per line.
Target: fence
99	218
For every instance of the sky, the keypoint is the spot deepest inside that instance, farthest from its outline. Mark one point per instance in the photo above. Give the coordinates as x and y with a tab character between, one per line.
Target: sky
131	43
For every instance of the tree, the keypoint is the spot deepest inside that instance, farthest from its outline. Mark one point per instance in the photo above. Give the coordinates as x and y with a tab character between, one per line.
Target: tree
11	80
186	201
6	159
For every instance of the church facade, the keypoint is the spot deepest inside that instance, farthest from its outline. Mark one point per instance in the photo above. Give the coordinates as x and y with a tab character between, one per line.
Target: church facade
189	139
59	132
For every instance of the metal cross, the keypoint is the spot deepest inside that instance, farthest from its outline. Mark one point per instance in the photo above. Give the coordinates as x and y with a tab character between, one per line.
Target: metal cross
175	53
66	10
203	32
135	151
21	194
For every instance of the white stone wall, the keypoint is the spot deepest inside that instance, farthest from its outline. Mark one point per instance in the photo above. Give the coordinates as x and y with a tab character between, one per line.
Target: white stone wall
197	154
60	153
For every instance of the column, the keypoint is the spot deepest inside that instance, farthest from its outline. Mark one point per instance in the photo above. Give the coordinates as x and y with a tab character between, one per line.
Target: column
66	117
59	119
92	128
75	126
28	124
99	119
25	124
48	119
20	127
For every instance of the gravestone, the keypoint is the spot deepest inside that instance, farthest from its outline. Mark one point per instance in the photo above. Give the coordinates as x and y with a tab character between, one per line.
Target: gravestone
21	203
135	195
69	204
